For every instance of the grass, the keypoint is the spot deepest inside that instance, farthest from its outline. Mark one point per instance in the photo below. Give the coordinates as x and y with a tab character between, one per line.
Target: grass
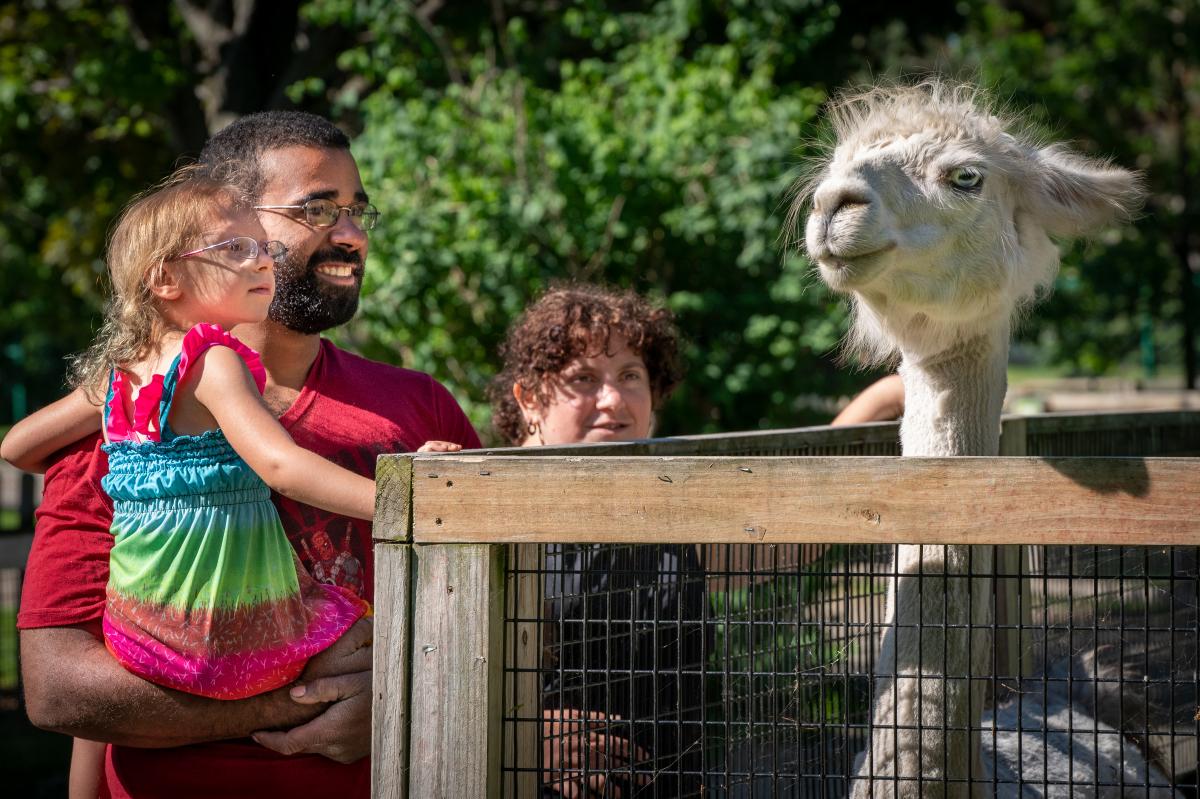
10	518
1019	374
8	648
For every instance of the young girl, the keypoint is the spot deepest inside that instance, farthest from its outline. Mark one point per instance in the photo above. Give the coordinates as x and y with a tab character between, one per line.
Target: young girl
205	593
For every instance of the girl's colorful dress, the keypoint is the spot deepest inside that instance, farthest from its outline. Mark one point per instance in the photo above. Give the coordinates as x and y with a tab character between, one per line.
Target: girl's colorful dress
205	594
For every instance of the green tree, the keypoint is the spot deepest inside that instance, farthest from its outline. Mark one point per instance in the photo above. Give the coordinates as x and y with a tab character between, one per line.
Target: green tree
650	148
97	101
650	144
1123	80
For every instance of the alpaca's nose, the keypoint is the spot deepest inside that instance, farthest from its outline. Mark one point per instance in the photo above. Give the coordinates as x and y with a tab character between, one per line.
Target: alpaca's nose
833	196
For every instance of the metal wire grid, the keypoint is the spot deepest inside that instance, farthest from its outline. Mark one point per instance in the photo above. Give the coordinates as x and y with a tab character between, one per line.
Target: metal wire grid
1160	434
765	687
1096	652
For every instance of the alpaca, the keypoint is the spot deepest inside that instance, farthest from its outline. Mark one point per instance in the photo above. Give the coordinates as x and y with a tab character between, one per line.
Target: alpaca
935	213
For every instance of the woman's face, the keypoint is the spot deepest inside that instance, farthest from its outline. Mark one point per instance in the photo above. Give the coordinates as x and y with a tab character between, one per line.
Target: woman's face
596	398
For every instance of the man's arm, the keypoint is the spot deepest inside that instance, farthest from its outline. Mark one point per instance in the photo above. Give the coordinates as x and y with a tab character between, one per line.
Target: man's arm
882	401
342	732
74	686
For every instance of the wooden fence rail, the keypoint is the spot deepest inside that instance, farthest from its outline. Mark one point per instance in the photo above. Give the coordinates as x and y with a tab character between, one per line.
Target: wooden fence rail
568	499
443	523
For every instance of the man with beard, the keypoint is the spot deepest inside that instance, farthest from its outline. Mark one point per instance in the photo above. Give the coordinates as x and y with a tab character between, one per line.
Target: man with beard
310	740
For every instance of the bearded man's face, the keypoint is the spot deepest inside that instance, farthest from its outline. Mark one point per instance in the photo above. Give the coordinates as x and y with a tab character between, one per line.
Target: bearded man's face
306	300
317	285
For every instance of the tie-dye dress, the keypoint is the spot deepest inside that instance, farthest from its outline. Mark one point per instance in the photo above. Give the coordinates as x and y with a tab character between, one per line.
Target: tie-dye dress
205	594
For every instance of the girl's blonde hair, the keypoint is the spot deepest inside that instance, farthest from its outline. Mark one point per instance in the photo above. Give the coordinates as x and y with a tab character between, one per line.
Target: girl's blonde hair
156	226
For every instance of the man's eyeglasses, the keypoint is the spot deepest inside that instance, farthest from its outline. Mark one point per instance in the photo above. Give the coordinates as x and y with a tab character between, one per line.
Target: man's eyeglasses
244	248
325	213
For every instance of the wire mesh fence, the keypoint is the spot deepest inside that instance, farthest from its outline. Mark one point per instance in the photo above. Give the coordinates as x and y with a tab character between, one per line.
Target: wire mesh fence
750	670
746	670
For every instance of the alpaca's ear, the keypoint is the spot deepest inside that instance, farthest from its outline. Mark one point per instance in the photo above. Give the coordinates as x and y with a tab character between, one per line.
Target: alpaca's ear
1070	195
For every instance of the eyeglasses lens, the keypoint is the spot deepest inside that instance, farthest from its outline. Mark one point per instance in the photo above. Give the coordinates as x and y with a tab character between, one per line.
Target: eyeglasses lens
276	250
243	248
325	213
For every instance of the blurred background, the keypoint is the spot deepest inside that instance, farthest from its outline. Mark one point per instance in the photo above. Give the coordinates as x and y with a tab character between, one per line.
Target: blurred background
511	143
650	144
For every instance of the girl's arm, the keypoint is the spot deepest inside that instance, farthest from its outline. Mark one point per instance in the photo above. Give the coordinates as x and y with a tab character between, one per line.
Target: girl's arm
31	441
224	386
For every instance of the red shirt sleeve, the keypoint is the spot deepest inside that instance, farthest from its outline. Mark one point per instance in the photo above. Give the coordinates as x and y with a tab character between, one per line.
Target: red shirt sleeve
67	570
452	422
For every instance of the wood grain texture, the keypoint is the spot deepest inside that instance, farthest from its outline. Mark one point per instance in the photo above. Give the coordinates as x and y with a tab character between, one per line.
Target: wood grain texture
863	439
457	671
1013	611
471	498
1095	422
393	643
393	498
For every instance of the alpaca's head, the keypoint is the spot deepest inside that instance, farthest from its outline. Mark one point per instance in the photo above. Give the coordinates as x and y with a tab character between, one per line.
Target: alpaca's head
935	214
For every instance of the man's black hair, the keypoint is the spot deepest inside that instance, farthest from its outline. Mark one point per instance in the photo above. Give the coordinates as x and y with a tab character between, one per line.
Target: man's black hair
238	148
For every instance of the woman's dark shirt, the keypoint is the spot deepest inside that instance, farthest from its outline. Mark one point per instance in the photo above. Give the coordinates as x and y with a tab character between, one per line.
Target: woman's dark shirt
627	638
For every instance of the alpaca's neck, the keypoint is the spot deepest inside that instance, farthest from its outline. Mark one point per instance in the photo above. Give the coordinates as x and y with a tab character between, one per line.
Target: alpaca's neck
952	400
925	723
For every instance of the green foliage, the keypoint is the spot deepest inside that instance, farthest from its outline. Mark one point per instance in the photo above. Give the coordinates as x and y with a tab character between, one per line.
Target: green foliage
512	144
1119	79
652	160
72	155
769	653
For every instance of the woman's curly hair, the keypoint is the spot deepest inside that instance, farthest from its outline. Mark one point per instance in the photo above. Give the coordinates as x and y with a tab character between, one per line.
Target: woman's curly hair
574	321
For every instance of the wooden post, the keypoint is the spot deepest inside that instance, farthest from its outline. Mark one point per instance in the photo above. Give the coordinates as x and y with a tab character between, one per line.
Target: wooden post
457	671
392	532
1012	594
523	690
389	710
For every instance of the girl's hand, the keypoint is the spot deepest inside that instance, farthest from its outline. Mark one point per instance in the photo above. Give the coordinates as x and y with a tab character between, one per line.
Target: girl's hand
439	446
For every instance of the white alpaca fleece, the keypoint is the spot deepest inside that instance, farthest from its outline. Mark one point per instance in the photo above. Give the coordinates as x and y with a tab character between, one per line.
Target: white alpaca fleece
935	213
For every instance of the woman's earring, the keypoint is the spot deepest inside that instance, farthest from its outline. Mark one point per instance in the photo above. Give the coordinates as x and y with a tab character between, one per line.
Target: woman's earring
534	428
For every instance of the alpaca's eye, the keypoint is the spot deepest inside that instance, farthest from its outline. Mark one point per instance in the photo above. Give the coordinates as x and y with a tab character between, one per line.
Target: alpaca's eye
966	178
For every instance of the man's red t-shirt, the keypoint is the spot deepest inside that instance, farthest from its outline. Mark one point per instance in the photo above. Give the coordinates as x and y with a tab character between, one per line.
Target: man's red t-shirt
349	411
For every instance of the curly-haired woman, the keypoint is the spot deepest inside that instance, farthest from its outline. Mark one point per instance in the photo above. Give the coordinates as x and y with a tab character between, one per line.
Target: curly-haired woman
622	690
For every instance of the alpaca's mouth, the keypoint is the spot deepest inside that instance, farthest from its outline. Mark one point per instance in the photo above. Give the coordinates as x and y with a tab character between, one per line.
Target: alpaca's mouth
842	260
843	272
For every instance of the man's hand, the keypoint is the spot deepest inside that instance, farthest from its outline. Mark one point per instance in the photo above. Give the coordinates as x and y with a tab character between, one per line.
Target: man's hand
341	677
571	741
349	654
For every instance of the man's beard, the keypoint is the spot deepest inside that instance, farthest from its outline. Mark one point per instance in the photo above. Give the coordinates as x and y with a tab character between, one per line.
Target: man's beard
307	304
